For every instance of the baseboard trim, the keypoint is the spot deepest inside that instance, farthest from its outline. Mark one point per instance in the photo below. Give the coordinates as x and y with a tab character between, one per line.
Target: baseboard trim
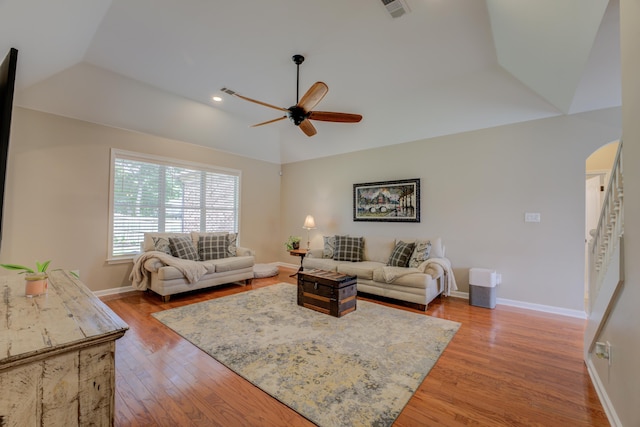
544	308
456	294
530	306
113	291
612	416
287	265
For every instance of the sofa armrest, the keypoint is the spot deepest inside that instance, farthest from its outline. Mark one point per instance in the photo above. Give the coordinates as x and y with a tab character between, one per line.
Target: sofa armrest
153	265
240	251
435	267
433	270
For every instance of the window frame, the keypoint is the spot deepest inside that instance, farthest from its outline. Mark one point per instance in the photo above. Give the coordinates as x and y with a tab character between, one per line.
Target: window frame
163	161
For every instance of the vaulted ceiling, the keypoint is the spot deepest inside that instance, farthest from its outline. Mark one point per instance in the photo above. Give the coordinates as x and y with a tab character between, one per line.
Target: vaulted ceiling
446	66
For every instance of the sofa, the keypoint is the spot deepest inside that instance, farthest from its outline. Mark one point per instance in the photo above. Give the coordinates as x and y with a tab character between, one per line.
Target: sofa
410	270
171	263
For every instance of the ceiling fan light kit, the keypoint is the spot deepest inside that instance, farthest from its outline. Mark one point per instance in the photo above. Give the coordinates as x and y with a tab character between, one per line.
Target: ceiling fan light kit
301	113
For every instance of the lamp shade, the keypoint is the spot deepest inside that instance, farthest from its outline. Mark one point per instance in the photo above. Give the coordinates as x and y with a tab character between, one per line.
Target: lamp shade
309	223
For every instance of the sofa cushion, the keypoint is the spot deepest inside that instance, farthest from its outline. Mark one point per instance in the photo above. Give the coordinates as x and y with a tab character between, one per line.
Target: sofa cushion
378	248
401	254
182	247
362	270
320	264
413	280
348	248
420	253
212	247
233	263
169	273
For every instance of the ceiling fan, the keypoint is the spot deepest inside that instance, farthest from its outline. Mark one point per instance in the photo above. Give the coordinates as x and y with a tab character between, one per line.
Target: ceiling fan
301	113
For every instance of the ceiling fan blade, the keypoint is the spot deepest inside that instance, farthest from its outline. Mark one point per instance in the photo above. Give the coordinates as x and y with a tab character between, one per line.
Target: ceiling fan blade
313	96
260	102
328	116
308	128
270	121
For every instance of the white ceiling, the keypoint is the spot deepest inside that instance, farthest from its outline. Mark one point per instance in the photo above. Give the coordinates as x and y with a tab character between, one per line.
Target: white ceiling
448	66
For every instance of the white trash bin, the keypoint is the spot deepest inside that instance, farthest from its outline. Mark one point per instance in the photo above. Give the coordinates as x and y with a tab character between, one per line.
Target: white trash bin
482	287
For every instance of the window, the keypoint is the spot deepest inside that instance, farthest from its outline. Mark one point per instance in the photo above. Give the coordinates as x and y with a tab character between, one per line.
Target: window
153	194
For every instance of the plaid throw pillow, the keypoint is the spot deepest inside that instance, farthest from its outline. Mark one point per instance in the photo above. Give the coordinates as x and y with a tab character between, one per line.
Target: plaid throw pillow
212	247
420	253
401	254
348	248
182	247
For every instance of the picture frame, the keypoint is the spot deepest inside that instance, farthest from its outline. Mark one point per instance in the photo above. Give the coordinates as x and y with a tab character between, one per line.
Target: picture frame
387	201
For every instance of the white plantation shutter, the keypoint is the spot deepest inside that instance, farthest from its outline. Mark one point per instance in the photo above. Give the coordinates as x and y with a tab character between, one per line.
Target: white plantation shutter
152	194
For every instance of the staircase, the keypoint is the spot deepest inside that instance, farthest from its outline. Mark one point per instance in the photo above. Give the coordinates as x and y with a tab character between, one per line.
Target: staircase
606	257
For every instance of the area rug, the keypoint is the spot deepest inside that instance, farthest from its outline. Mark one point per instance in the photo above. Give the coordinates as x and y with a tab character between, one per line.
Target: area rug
357	370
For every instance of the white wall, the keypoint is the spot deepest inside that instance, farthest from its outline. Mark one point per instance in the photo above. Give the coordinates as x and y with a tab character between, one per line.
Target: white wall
476	187
57	195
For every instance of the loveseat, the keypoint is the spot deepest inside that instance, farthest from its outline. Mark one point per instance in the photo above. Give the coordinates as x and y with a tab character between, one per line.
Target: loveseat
172	263
411	270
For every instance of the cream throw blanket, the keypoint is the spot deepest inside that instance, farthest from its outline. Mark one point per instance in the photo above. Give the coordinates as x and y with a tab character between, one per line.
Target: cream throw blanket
392	273
450	282
192	270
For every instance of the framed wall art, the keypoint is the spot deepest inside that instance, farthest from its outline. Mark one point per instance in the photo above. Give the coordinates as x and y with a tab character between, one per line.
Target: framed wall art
389	201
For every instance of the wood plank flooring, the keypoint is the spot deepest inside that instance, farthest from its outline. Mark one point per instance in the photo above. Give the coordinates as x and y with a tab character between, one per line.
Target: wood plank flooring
504	367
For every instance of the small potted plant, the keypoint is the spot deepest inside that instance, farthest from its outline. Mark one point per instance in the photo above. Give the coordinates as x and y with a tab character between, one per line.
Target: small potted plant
293	243
36	281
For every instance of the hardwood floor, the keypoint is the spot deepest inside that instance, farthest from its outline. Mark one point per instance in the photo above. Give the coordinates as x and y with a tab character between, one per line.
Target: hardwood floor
504	367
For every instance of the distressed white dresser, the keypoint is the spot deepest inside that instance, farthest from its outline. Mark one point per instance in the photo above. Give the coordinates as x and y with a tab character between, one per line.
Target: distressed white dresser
57	364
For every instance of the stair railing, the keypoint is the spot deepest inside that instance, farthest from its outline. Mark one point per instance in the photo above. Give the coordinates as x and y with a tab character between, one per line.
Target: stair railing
610	228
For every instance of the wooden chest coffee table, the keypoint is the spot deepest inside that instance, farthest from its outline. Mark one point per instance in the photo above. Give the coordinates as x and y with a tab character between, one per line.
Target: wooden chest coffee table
327	292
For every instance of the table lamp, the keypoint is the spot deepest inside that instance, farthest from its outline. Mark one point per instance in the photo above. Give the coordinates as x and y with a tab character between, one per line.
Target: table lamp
309	224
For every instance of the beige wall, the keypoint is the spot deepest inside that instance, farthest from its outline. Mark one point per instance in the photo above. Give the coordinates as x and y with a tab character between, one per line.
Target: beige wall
476	188
621	380
603	158
57	196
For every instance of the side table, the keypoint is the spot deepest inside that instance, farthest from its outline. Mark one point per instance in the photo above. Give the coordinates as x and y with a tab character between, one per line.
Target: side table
301	253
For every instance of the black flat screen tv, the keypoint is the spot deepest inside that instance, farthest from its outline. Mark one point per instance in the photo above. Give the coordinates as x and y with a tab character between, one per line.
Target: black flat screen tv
7	83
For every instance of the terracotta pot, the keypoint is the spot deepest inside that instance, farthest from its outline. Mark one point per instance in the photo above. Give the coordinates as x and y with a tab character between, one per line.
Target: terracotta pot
35	284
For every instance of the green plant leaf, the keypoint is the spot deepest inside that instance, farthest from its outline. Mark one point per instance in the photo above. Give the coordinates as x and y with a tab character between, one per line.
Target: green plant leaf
17	267
42	267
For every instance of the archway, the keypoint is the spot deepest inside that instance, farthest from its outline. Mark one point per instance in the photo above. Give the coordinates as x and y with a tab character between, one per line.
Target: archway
597	173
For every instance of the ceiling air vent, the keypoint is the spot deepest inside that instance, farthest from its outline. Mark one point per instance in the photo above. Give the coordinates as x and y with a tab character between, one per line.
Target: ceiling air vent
396	8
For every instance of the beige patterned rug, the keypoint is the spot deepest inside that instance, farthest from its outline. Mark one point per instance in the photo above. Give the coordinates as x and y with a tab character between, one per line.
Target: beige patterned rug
358	370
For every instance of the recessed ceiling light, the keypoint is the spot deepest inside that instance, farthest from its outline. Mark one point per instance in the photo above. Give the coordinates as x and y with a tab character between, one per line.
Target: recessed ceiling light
217	99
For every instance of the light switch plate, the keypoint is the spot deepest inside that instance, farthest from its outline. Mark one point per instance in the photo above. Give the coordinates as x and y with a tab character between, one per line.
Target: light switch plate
532	217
